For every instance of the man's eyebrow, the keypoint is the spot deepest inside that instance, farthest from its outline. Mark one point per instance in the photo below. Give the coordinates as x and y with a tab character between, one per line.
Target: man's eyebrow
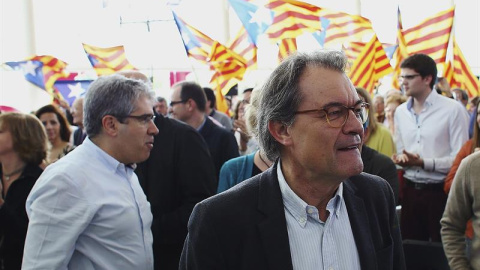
334	103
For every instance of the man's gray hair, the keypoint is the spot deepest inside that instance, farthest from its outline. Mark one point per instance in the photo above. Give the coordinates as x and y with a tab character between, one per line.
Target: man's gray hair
280	96
113	95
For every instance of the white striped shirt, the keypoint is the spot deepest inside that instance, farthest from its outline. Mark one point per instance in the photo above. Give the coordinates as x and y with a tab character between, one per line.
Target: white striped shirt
315	244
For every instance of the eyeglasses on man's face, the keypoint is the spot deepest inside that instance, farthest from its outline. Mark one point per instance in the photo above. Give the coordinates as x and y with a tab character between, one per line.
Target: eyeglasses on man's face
144	119
336	115
177	102
407	77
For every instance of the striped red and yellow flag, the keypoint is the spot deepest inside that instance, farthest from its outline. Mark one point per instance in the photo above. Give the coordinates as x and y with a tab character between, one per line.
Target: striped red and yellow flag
286	47
463	76
344	27
371	65
448	72
53	69
228	66
292	18
431	36
400	53
243	46
107	61
353	49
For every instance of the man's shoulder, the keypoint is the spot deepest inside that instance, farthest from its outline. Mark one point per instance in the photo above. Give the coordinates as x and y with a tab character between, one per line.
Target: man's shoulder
237	197
365	183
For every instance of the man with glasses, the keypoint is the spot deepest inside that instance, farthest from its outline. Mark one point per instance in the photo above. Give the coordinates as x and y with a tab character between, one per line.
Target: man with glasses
178	174
430	129
88	211
188	104
314	209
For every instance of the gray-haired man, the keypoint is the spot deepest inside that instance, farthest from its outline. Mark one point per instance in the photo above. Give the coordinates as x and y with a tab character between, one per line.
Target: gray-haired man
87	210
314	209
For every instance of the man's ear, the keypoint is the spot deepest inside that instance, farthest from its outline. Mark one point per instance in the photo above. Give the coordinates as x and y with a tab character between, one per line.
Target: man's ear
280	132
110	125
428	79
190	104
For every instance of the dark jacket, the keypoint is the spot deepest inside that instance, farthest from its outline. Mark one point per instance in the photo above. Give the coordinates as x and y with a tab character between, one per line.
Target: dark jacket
14	219
221	144
178	174
245	226
378	164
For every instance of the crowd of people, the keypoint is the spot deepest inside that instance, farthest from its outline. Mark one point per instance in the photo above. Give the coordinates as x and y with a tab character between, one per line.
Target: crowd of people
140	183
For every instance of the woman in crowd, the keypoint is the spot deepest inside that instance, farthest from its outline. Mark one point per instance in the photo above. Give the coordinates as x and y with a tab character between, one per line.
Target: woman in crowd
471	146
246	143
241	168
58	131
391	104
23	147
377	136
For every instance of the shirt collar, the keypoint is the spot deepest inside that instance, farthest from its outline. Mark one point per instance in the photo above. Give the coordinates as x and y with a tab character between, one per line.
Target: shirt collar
110	162
298	208
429	101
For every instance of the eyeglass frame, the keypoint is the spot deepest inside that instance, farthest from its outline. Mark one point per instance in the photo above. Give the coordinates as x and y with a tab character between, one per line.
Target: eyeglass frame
364	105
408	77
172	103
143	119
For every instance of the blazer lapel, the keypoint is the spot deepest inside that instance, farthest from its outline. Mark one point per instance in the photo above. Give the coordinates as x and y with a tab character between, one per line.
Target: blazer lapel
360	227
273	228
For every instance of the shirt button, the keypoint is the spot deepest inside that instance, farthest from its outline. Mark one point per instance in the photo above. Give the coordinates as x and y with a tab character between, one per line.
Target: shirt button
310	211
302	220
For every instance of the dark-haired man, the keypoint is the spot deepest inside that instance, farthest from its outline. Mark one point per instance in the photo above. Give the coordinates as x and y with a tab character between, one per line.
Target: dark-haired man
430	129
211	110
188	104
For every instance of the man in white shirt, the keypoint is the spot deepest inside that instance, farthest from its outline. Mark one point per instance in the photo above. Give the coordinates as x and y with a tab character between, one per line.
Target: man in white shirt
430	129
88	211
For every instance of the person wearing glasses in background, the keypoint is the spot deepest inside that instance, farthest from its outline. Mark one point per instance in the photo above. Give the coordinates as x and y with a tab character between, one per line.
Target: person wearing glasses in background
314	209
87	210
430	129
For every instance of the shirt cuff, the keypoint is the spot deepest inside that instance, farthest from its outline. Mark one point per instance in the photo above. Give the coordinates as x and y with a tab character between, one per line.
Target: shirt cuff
429	164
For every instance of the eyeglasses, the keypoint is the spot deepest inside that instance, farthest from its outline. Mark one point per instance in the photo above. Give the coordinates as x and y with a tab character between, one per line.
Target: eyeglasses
144	119
407	77
177	102
337	115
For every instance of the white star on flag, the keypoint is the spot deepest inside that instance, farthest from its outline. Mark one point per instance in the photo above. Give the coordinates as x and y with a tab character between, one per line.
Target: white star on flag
29	68
76	90
261	16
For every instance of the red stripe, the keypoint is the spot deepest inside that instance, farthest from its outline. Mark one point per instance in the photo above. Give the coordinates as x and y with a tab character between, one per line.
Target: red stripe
275	4
431	21
296	15
382	68
345	34
120	66
432	35
364	56
362	74
465	68
114	56
276	35
433	49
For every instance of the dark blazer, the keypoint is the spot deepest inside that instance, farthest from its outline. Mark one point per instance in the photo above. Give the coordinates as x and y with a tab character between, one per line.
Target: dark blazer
178	174
245	226
378	164
78	136
221	143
